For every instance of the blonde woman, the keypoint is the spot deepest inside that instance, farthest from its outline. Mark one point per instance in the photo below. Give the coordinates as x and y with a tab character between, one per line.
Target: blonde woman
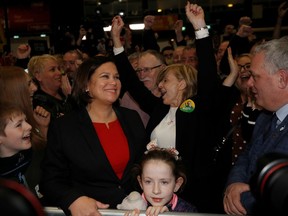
45	71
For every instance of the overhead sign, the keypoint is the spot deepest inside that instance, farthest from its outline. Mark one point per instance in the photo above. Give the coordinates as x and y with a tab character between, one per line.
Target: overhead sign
28	19
164	22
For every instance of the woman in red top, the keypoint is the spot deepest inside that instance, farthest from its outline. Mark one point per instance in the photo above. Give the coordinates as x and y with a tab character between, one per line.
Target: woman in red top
90	151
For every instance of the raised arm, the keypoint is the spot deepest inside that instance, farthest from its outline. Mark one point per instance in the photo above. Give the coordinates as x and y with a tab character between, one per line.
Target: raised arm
128	77
282	10
178	32
195	14
233	75
208	81
149	39
117	26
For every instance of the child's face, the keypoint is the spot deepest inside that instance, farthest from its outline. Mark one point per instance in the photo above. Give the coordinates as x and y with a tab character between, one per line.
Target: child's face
17	137
158	182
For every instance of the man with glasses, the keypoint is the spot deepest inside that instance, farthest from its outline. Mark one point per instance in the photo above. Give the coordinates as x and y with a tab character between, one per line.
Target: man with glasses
149	64
71	61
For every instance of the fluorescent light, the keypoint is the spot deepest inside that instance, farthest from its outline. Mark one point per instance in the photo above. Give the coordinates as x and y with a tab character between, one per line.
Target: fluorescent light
139	26
43	35
107	28
16	36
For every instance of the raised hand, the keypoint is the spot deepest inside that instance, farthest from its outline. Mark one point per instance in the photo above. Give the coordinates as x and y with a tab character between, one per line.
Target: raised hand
178	26
234	71
282	9
195	14
65	85
117	26
42	117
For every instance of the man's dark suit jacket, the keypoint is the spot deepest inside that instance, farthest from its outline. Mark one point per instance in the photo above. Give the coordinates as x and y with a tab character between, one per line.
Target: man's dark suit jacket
263	142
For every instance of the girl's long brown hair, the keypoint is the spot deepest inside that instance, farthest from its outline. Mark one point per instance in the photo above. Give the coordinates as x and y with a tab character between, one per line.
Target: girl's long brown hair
14	89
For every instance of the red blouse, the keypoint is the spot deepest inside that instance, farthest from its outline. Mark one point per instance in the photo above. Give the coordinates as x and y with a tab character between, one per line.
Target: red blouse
115	145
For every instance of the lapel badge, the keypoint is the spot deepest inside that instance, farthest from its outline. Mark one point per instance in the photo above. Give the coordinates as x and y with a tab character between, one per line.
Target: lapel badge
187	106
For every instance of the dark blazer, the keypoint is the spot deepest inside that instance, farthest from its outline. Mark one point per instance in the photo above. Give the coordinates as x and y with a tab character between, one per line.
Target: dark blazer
75	163
195	132
263	141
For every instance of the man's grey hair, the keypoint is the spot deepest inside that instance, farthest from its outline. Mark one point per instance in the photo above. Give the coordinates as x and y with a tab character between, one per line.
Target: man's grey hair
275	54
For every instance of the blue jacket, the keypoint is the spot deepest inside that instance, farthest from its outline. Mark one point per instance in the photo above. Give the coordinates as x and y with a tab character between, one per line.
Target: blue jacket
261	143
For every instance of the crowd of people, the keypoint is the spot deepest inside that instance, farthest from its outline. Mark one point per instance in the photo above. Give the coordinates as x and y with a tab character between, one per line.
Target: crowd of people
184	126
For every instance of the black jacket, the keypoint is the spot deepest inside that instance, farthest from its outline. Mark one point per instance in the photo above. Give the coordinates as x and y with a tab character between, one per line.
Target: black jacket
76	165
195	131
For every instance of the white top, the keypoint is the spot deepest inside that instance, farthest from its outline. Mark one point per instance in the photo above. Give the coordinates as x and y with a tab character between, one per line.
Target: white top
165	131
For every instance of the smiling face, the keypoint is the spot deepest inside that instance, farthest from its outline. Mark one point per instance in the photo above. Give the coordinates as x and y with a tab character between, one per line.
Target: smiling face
265	87
243	63
158	182
171	89
148	77
50	77
16	136
104	85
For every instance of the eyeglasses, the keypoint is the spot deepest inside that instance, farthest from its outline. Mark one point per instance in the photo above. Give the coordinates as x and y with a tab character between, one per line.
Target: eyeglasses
246	67
146	69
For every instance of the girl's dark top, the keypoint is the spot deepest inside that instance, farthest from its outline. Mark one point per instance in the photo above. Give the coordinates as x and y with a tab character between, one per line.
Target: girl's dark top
183	206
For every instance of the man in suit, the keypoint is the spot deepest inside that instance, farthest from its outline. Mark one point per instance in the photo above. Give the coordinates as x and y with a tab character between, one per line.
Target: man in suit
269	84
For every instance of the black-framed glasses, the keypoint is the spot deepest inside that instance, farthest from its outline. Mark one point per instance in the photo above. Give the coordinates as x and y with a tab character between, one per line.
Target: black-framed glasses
246	66
147	69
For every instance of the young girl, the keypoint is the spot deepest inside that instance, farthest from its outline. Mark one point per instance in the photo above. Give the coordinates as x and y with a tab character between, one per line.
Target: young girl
160	175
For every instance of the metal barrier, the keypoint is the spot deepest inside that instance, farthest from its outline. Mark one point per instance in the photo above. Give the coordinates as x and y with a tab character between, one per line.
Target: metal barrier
54	211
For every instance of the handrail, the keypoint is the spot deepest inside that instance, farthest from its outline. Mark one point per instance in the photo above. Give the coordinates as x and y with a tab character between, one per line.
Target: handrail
54	211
